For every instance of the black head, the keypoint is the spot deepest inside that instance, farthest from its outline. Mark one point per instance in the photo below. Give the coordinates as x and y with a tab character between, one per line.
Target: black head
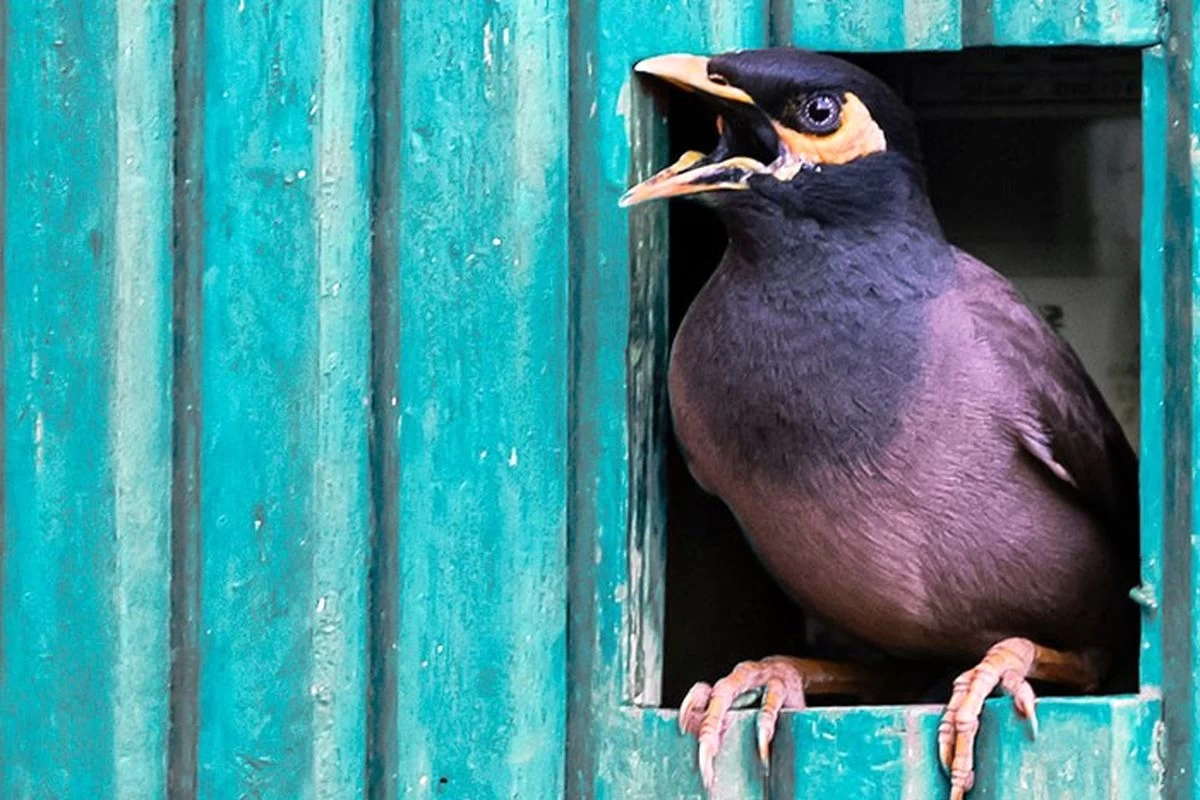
787	114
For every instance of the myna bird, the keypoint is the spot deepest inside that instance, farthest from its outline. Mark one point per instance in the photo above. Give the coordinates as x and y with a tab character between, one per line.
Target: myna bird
913	454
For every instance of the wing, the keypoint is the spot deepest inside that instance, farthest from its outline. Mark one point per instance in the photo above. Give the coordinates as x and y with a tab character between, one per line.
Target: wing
1056	412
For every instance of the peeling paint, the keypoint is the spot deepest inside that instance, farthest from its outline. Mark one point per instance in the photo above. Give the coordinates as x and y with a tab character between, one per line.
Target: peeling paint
488	37
39	451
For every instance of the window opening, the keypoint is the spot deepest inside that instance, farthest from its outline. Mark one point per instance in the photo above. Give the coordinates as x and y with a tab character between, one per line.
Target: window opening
1034	165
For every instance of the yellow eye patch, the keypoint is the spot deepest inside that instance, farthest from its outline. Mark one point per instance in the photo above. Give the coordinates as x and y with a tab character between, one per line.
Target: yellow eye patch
858	135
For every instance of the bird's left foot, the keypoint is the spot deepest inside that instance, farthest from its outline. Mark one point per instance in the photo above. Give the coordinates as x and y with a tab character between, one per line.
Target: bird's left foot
1009	665
783	680
704	711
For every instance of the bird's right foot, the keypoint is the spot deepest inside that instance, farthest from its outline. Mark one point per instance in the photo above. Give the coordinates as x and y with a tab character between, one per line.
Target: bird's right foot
1008	665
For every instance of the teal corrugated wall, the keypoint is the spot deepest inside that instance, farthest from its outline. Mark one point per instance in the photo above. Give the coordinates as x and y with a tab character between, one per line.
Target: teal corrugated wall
328	364
284	377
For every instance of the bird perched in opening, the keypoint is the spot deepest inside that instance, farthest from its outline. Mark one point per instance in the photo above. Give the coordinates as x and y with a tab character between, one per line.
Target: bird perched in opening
914	455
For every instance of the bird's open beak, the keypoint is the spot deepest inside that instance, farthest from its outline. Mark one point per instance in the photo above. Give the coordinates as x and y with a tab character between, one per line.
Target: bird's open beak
695	172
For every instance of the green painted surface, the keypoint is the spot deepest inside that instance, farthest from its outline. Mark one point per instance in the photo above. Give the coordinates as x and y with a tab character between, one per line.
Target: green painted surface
893	25
1085	748
613	575
283	338
458	595
185	509
1093	747
480	256
85	444
1082	22
1153	442
1181	355
880	25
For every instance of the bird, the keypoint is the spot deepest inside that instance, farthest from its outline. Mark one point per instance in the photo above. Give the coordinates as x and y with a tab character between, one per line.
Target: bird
916	457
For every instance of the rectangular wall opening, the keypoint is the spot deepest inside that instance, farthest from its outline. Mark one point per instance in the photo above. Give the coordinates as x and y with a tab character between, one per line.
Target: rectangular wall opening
1034	166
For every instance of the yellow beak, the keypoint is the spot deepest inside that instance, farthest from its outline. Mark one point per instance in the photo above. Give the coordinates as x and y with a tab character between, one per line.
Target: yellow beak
691	73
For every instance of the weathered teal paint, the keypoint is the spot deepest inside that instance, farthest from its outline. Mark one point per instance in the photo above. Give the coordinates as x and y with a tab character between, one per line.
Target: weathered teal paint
283	388
613	573
297	507
881	25
1082	22
1085	748
1090	747
1153	441
86	447
892	25
185	488
1181	355
480	272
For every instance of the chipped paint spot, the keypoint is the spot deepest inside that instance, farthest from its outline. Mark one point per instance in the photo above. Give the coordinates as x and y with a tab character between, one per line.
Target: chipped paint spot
39	452
636	565
512	457
488	38
624	109
625	101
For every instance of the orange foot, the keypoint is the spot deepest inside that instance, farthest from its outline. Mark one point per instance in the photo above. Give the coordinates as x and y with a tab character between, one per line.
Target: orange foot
783	681
1008	665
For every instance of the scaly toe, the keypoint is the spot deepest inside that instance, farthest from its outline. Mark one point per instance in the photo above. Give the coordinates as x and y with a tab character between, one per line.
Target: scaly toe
691	710
1006	665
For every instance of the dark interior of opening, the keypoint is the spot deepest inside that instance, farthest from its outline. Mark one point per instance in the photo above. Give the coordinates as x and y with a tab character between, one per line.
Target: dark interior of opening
1034	165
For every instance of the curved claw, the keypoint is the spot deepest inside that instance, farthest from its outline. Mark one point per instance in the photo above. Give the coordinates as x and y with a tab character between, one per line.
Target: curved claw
707	755
1006	666
1032	719
1024	700
705	710
691	710
774	695
712	726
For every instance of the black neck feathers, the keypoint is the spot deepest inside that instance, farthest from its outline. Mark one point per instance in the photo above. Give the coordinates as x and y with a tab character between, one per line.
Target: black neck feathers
809	339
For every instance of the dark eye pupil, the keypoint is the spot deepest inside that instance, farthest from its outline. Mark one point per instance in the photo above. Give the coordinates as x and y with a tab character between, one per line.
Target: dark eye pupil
820	110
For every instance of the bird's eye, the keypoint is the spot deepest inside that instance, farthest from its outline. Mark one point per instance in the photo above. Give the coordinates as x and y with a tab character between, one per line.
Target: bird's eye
719	80
821	113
